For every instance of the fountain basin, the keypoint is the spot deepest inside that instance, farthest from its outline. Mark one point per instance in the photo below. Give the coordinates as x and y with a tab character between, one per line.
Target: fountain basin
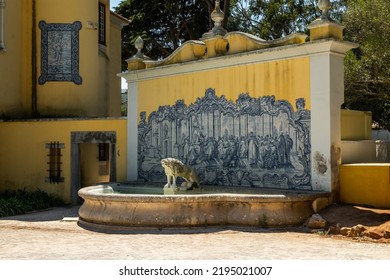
108	205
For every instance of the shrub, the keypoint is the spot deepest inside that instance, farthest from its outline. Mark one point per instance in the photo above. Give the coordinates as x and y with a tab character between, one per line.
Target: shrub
22	201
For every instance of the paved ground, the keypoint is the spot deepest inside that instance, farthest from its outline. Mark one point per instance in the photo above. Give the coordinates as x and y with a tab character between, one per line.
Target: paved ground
46	235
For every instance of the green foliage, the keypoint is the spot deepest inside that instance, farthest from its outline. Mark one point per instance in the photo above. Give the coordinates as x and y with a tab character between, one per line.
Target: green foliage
263	221
367	69
162	24
273	19
165	24
124	109
22	201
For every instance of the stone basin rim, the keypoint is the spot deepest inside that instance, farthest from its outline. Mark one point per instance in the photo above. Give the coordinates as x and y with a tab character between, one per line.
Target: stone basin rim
274	209
92	192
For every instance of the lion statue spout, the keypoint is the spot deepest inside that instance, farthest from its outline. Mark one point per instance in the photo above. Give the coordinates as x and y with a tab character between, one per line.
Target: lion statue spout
175	168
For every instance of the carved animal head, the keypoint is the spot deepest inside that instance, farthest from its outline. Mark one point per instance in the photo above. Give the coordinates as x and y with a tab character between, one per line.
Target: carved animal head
164	162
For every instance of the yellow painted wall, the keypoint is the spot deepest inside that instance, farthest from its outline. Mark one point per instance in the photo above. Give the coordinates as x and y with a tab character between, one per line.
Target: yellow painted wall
286	79
67	98
23	156
57	98
90	165
356	125
365	184
115	67
15	62
99	93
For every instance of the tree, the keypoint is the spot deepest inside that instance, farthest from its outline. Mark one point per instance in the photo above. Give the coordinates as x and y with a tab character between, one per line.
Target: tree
272	19
164	24
367	68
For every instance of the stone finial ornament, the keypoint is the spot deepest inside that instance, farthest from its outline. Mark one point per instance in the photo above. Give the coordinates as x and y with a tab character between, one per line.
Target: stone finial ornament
324	27
139	44
324	6
136	62
217	17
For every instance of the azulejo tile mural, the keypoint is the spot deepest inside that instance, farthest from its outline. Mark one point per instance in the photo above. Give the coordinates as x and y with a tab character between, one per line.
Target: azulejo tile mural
256	142
60	52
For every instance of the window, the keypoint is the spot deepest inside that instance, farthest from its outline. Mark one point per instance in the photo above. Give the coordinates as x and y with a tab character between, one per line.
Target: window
102	24
104	157
54	162
103	151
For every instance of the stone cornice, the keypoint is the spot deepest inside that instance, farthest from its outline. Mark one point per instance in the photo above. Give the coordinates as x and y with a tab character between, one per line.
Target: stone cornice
319	47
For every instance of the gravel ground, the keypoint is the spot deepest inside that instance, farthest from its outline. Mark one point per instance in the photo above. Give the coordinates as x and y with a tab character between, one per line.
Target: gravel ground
54	234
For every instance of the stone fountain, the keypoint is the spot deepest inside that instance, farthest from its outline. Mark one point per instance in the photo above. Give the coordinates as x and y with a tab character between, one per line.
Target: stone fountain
264	138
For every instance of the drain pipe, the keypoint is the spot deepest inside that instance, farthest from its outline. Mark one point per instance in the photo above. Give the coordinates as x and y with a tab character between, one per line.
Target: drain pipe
34	102
2	8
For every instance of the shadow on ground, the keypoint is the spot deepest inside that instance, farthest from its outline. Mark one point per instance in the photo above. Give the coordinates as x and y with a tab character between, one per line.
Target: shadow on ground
351	215
344	215
46	215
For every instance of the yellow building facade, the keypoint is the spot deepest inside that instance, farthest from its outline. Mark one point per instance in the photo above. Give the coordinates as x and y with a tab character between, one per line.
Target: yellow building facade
60	93
34	83
228	104
60	156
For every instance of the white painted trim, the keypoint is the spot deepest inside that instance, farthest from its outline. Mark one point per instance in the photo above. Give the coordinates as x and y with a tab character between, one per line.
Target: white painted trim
320	120
132	131
327	96
258	56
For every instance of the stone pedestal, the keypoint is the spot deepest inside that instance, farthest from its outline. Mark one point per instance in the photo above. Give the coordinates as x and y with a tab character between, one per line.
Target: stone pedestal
325	29
174	190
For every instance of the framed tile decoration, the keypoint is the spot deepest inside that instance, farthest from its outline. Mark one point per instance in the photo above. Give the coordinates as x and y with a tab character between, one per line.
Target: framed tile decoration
60	52
252	141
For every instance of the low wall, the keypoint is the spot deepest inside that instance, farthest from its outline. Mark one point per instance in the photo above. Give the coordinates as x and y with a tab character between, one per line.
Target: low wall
355	125
365	151
365	184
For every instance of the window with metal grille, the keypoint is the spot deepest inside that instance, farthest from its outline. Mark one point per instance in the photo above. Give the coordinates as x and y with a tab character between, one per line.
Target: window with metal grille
102	24
54	162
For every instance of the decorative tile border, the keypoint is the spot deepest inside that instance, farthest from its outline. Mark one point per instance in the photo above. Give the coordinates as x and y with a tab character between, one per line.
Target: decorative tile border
60	52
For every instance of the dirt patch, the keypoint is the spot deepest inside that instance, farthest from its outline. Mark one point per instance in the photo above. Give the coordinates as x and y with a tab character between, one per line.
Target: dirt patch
369	224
